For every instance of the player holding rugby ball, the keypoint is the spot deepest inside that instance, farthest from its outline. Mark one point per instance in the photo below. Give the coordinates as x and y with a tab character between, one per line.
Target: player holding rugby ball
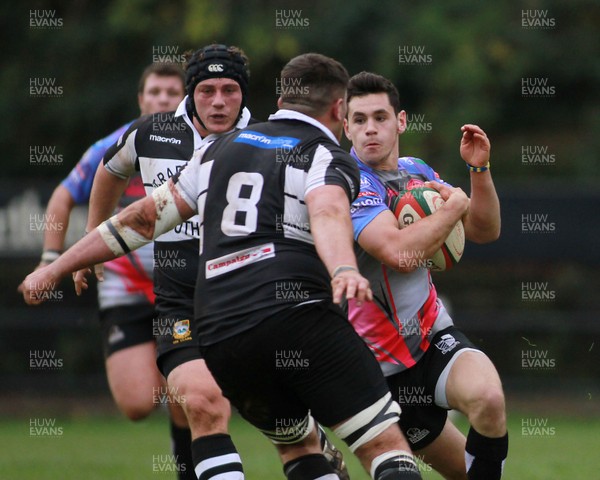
429	364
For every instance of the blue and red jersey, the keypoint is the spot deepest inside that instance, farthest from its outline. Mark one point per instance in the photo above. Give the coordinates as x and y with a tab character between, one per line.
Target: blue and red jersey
406	312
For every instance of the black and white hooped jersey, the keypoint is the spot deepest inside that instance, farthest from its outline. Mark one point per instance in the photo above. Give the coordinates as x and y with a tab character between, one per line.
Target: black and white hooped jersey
257	252
159	146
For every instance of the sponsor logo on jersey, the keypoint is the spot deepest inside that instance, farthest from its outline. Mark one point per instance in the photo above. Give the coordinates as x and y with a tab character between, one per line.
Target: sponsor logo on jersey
158	138
181	330
366	202
415	434
366	193
447	343
233	261
364	181
215	67
266	142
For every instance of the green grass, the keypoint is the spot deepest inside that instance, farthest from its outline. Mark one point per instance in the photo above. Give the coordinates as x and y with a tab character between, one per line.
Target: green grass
113	448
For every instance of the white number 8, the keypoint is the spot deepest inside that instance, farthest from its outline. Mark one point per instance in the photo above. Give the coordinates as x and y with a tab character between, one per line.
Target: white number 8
236	203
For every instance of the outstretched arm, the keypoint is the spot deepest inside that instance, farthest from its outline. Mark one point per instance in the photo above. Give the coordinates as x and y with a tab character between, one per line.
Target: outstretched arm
482	222
133	227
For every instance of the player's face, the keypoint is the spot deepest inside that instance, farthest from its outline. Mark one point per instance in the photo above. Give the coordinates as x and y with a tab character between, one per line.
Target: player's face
218	102
161	94
373	128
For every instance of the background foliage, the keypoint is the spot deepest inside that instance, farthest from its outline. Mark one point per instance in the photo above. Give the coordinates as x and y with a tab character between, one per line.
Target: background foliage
480	52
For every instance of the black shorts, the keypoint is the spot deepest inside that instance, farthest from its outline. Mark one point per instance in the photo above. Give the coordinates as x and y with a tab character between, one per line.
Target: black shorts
176	338
305	358
422	420
126	326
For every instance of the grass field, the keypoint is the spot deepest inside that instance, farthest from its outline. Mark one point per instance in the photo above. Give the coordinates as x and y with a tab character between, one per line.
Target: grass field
108	447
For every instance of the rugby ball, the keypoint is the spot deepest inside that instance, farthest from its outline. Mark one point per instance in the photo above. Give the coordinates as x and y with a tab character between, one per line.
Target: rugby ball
419	202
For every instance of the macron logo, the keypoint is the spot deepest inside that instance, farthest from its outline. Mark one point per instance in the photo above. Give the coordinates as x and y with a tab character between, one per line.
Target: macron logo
215	67
158	138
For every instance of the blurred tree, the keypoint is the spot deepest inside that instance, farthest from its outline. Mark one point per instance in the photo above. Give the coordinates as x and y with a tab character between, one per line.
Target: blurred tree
475	57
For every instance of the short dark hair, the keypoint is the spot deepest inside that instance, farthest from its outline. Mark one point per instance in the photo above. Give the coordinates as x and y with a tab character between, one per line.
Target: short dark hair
162	70
310	82
364	83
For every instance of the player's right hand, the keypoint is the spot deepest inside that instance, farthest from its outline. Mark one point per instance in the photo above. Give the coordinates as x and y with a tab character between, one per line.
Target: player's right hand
37	283
351	284
458	199
454	197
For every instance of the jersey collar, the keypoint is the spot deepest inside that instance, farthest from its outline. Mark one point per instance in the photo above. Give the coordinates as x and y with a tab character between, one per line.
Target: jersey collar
361	165
285	114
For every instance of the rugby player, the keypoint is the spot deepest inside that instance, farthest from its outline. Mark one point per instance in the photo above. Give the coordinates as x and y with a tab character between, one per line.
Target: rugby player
125	296
429	364
273	201
216	87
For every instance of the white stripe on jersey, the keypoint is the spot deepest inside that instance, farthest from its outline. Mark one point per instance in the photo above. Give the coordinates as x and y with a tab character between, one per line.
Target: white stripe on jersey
122	164
318	169
295	223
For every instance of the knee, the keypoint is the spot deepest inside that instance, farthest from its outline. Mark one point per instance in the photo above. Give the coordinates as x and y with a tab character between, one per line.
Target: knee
207	406
135	409
487	413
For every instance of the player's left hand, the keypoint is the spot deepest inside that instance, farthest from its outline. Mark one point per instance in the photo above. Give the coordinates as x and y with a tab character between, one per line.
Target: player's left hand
37	283
80	280
351	284
474	146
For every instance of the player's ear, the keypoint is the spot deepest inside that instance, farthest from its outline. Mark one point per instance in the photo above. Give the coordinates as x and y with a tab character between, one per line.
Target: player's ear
338	109
346	131
401	120
279	102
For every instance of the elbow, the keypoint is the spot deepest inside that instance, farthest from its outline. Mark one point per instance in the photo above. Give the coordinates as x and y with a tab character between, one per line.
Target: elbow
492	234
483	232
487	236
138	220
495	235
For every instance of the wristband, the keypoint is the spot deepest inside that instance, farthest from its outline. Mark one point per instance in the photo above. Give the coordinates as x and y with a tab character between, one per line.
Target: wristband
343	268
48	256
478	169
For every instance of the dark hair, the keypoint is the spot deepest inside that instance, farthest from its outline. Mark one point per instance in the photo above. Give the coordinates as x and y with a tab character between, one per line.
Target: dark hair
364	83
310	82
162	70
